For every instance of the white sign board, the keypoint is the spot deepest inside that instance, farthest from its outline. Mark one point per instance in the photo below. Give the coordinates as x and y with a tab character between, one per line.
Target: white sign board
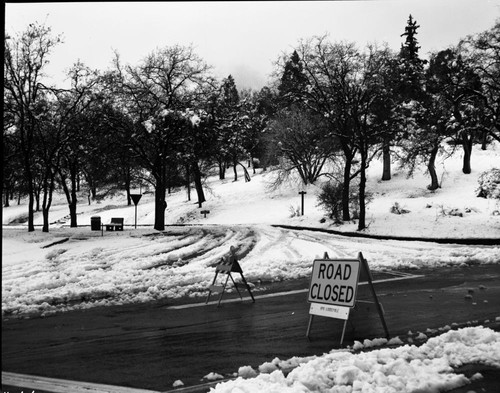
334	282
324	310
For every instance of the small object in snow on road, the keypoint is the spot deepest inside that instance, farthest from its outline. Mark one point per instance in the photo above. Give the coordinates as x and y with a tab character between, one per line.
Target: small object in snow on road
482	287
485	301
213	376
430	296
474	303
178	383
421	336
470	290
468	296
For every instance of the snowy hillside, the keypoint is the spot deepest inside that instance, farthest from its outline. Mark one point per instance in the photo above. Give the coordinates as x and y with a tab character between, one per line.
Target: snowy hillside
86	269
239	202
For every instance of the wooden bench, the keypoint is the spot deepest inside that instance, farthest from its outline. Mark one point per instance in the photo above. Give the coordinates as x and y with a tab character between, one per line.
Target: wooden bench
116	224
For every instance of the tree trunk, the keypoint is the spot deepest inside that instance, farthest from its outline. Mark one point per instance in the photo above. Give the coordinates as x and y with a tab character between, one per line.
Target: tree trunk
432	169
127	185
48	191
467	146
74	199
160	205
362	194
45	214
197	182
222	170
386	152
346	215
31	201
188	182
235	170
37	199
484	140
6	201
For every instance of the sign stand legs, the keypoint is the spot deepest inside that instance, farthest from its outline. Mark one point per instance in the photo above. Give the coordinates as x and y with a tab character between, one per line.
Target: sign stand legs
374	294
311	316
223	288
343	333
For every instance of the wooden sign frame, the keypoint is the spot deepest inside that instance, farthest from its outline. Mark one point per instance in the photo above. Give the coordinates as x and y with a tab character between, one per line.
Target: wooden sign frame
227	265
340	312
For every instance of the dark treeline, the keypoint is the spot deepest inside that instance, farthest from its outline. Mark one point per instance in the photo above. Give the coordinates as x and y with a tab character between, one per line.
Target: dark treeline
167	121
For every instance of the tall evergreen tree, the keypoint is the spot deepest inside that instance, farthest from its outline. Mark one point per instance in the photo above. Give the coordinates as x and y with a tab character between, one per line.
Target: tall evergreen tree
292	82
412	67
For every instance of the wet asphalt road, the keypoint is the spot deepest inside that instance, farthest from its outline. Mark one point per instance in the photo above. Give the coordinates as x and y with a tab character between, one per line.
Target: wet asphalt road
149	346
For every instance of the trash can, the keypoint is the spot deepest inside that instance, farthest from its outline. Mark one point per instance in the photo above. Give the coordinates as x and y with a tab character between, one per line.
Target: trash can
95	223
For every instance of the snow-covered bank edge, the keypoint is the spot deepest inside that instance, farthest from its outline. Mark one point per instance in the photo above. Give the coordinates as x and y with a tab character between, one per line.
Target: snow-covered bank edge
428	367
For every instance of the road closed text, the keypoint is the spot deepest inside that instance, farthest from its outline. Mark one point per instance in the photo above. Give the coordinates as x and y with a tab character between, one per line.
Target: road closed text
334	282
341	293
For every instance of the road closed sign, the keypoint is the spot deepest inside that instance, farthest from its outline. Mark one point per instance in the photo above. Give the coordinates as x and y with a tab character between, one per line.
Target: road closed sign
334	282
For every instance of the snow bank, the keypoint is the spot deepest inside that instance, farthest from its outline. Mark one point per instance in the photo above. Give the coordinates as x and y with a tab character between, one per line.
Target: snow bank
428	367
89	270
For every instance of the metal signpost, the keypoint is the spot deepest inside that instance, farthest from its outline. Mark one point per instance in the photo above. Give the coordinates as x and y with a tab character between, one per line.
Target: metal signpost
136	198
302	193
333	289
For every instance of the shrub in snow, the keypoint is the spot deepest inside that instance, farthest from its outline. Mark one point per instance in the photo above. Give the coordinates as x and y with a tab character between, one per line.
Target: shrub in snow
489	184
330	199
294	211
396	209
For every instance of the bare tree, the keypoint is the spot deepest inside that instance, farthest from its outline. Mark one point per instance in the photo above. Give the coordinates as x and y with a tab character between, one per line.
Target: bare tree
301	142
482	54
25	57
156	95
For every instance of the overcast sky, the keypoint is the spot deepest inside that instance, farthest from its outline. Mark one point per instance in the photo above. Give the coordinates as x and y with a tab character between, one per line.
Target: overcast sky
241	38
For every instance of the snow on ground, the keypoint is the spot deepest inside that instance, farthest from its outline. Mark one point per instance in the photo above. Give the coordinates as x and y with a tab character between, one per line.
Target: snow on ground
139	265
75	268
408	368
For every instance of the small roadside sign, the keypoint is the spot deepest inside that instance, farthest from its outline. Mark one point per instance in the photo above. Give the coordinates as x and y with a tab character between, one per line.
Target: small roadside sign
227	265
334	282
323	310
136	198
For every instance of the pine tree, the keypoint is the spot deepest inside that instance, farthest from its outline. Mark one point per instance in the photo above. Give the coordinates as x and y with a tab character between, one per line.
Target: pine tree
230	95
293	80
412	66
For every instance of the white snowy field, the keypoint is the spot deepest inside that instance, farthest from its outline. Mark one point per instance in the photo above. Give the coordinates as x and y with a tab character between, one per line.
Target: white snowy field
142	264
74	268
